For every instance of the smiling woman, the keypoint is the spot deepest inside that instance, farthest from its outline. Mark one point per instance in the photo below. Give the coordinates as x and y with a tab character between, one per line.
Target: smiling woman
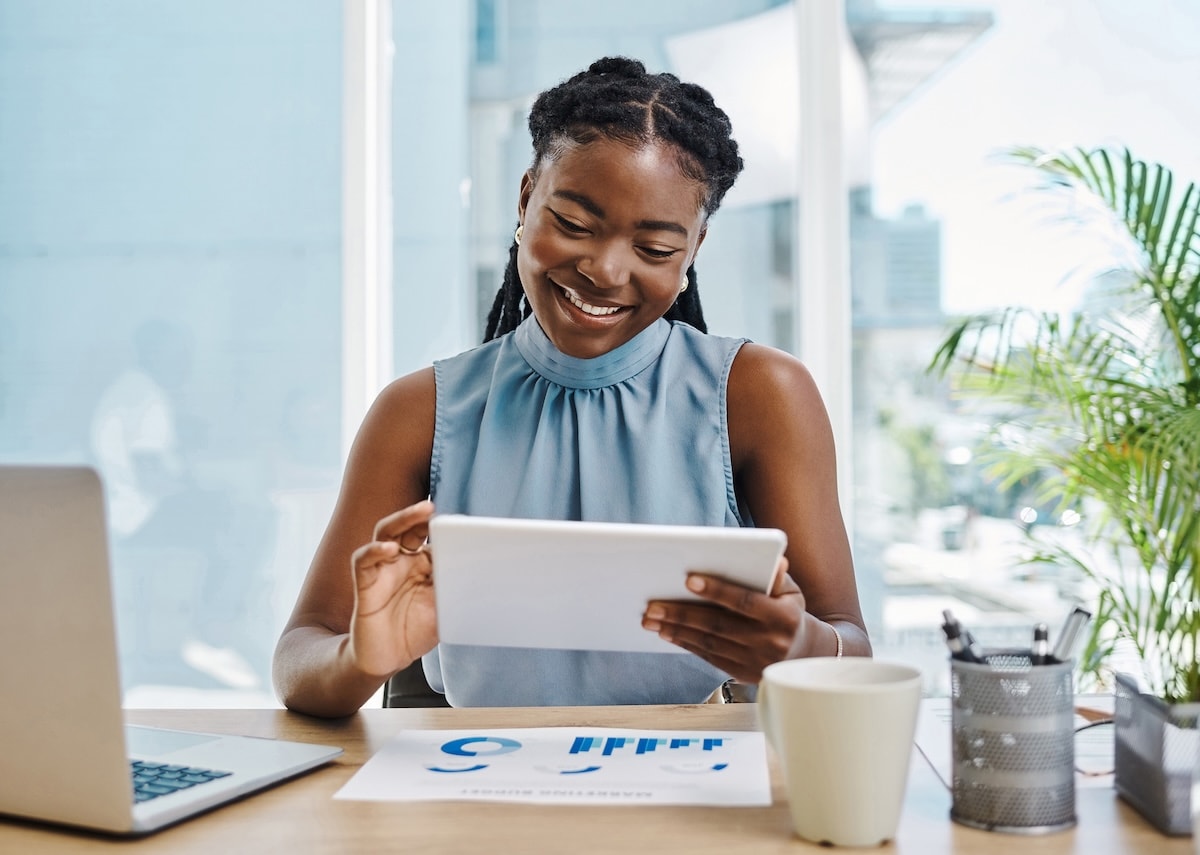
608	235
670	131
597	395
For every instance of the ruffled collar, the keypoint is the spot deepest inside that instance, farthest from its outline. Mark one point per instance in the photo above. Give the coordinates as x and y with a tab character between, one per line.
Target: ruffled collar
608	369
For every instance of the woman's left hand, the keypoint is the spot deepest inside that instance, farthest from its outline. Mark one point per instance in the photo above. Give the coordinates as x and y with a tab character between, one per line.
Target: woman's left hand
738	630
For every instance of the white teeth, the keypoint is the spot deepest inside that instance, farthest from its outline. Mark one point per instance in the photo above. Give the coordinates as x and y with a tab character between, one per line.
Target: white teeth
588	307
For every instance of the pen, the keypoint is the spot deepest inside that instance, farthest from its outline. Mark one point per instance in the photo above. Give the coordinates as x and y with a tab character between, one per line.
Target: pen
959	642
1064	647
974	651
1040	654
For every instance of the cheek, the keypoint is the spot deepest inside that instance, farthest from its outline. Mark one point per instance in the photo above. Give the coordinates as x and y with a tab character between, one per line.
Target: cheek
540	255
522	266
532	277
527	267
532	255
666	285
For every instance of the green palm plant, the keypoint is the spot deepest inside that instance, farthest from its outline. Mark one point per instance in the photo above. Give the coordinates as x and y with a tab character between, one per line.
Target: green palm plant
1102	407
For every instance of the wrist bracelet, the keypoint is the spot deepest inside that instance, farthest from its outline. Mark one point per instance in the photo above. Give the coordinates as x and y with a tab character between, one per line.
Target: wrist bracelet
838	636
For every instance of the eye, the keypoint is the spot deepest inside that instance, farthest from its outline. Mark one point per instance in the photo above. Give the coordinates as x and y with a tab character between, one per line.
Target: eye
657	254
567	225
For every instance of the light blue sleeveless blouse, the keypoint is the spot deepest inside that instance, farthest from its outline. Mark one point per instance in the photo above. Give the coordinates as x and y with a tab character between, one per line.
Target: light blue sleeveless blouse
638	434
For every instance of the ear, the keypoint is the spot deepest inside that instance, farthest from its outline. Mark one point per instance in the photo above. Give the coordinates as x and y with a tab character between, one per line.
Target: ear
523	196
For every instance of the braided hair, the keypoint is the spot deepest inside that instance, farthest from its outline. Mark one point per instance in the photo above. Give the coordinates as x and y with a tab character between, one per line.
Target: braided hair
617	99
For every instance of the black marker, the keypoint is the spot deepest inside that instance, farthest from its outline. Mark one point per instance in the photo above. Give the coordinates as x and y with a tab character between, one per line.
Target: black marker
959	642
1040	654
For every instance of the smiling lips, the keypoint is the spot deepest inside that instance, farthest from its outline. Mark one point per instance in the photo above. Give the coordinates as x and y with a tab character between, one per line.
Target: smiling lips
597	311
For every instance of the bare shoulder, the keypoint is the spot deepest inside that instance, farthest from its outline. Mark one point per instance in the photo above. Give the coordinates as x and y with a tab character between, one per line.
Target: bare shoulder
410	395
775	411
395	439
766	377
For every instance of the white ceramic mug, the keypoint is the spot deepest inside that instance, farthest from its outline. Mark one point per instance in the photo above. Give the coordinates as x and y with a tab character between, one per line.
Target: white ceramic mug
843	731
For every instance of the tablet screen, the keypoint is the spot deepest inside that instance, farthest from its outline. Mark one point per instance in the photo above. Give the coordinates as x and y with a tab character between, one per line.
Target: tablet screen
579	585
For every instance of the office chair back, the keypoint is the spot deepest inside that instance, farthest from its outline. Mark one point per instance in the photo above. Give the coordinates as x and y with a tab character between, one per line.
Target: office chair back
409	688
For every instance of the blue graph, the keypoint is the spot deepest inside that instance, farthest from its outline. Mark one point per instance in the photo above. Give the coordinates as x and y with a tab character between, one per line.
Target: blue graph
608	745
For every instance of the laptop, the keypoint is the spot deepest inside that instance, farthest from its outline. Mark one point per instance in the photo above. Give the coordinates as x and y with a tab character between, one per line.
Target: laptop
572	585
69	757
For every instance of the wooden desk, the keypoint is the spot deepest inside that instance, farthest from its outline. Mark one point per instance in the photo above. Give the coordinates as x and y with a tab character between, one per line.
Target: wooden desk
300	816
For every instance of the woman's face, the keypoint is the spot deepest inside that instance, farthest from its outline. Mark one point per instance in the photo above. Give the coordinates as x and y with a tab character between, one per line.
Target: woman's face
608	234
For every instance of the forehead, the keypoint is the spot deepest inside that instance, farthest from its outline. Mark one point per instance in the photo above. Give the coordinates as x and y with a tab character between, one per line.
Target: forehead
647	176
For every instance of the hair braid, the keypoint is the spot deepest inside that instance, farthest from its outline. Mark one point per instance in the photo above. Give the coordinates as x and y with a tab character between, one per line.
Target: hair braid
506	311
686	307
616	98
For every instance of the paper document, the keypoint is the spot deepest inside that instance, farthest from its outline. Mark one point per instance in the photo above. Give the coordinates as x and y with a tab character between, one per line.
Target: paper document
568	765
1093	745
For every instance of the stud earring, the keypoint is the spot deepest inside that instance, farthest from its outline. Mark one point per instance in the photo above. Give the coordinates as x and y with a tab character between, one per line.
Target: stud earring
517	234
683	287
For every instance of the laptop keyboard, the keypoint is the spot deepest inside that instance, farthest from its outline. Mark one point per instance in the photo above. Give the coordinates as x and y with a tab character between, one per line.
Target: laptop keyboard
151	780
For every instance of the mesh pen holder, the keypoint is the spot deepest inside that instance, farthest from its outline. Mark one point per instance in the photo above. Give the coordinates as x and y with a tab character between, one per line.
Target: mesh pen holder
1013	738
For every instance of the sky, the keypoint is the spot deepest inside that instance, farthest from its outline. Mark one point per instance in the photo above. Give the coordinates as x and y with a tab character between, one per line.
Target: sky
1049	74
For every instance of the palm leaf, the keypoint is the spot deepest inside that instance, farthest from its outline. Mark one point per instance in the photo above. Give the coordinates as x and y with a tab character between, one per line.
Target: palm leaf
1106	402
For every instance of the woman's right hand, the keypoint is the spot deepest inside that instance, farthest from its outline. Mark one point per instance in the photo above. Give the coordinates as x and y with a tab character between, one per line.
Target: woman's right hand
394	621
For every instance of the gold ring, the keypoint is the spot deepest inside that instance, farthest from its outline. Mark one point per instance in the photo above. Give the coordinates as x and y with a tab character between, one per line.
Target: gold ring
407	551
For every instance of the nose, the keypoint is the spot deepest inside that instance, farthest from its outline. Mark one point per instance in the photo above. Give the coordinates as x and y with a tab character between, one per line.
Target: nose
606	264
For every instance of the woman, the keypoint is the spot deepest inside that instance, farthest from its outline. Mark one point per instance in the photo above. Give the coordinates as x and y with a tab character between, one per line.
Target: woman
600	397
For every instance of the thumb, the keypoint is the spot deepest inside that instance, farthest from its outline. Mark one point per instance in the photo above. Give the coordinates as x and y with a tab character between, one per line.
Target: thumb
783	582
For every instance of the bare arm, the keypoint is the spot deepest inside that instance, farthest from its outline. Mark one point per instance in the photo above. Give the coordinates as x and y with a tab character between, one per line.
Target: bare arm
365	609
785	469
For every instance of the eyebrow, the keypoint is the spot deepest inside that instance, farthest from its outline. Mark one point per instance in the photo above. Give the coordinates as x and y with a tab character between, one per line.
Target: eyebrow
592	208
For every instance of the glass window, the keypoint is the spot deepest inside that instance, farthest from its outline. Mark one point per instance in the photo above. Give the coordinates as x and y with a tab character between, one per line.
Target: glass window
487	48
946	226
171	264
170	280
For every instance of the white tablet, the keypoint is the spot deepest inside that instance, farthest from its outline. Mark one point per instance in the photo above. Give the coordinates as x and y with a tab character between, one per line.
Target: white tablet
579	585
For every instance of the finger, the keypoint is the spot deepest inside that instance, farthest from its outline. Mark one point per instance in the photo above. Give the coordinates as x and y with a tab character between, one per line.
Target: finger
382	578
700	624
783	582
737	598
369	559
409	527
731	657
743	662
375	553
742	599
700	618
404	519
